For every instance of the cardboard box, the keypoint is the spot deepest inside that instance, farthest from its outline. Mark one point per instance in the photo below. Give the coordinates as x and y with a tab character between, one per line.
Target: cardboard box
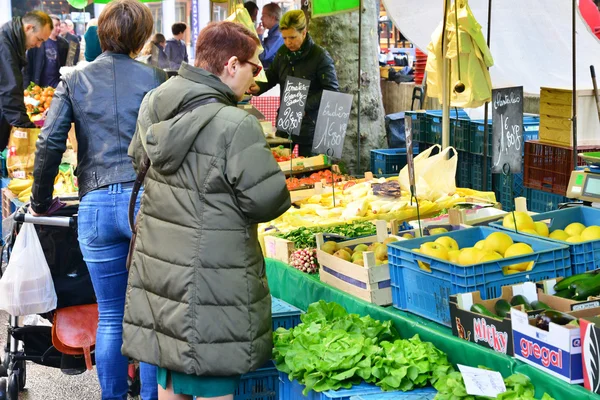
590	352
299	164
547	287
556	351
371	283
486	331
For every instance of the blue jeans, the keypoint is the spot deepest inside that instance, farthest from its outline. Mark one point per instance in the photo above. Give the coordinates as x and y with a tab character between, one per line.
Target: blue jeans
104	237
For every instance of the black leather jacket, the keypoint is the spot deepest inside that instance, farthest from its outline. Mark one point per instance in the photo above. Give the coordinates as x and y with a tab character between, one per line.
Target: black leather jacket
103	100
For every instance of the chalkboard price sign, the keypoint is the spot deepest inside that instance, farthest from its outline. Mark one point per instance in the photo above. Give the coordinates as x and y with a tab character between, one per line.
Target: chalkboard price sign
332	123
291	109
507	129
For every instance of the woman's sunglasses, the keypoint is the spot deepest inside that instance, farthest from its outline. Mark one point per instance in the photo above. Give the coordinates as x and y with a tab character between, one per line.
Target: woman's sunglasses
255	71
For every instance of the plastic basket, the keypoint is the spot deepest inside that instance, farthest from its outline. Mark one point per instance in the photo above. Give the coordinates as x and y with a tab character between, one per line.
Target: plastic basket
476	131
459	134
433	127
548	168
262	384
585	256
389	161
503	191
426	293
284	315
417	394
418	124
292	390
476	163
539	201
463	170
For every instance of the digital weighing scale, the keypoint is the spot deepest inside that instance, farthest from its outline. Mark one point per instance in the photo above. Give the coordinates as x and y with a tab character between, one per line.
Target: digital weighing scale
585	184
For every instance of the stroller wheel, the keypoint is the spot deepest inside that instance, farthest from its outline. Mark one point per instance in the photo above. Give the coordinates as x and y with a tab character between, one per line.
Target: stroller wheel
22	368
2	388
12	391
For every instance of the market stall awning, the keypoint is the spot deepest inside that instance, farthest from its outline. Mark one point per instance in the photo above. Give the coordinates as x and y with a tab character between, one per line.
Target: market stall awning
531	46
321	8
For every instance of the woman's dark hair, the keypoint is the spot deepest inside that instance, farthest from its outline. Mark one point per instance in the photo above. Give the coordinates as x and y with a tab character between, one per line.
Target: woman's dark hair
178	27
158	38
220	41
251	7
124	26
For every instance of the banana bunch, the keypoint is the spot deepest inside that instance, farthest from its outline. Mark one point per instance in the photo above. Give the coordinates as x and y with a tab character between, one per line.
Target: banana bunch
21	188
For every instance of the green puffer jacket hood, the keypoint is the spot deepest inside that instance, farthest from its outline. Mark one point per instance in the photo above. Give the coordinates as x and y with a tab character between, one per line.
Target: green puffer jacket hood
197	297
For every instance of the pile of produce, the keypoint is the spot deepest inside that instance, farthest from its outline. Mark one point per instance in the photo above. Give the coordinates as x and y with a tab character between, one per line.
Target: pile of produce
573	233
355	255
496	246
332	349
282	154
305	260
305	237
579	287
309	181
37	99
64	183
518	387
542	319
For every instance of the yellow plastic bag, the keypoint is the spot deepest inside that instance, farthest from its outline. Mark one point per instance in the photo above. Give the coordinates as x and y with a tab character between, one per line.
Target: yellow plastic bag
21	152
434	175
240	15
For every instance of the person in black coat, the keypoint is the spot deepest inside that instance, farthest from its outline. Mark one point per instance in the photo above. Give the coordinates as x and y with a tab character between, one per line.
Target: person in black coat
301	58
65	31
16	36
44	63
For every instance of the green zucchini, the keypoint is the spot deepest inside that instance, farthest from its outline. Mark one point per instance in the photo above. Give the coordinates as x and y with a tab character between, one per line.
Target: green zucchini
539	305
521	300
584	289
502	308
480	309
566	283
565	294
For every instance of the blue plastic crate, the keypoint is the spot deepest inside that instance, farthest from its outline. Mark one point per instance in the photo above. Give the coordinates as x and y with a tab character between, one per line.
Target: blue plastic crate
292	390
433	124
428	393
460	138
506	193
463	170
539	201
284	315
531	129
476	163
262	384
426	293
389	161
418	124
585	256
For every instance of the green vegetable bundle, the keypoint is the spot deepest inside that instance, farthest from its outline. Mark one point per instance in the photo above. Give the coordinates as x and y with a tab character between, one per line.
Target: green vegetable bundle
305	237
332	349
518	387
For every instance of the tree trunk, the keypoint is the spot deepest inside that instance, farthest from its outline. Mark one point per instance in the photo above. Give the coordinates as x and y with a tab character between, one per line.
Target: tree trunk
338	34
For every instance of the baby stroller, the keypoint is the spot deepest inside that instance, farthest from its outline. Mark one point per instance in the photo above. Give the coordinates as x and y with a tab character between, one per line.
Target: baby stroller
58	237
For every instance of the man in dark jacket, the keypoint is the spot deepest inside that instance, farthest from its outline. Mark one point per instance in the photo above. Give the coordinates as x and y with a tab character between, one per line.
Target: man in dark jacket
44	63
16	37
66	27
271	14
176	50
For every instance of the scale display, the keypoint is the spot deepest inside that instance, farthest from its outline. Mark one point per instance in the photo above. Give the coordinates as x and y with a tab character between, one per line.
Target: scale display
592	186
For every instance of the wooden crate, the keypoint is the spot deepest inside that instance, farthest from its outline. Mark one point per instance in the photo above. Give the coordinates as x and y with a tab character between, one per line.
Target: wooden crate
7	205
556	112
303	163
371	283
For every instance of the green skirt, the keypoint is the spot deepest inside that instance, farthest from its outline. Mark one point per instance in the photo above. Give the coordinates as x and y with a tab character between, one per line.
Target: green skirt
198	386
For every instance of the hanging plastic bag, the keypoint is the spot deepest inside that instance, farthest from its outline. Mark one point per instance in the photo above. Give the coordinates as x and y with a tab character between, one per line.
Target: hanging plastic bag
434	175
27	286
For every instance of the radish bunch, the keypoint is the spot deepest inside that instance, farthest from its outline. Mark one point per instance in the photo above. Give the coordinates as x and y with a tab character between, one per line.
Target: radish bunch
305	260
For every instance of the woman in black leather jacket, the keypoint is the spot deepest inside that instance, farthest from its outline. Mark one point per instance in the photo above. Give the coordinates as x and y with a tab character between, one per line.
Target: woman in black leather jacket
301	58
103	100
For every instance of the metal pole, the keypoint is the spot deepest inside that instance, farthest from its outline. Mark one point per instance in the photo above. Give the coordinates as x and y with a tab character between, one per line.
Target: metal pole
445	82
485	109
574	99
358	170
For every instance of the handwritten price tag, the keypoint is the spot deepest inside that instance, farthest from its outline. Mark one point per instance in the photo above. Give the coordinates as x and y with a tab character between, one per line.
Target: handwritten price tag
291	109
332	124
507	129
481	382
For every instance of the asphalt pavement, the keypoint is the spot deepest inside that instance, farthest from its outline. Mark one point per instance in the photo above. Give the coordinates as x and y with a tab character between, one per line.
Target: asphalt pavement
44	383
